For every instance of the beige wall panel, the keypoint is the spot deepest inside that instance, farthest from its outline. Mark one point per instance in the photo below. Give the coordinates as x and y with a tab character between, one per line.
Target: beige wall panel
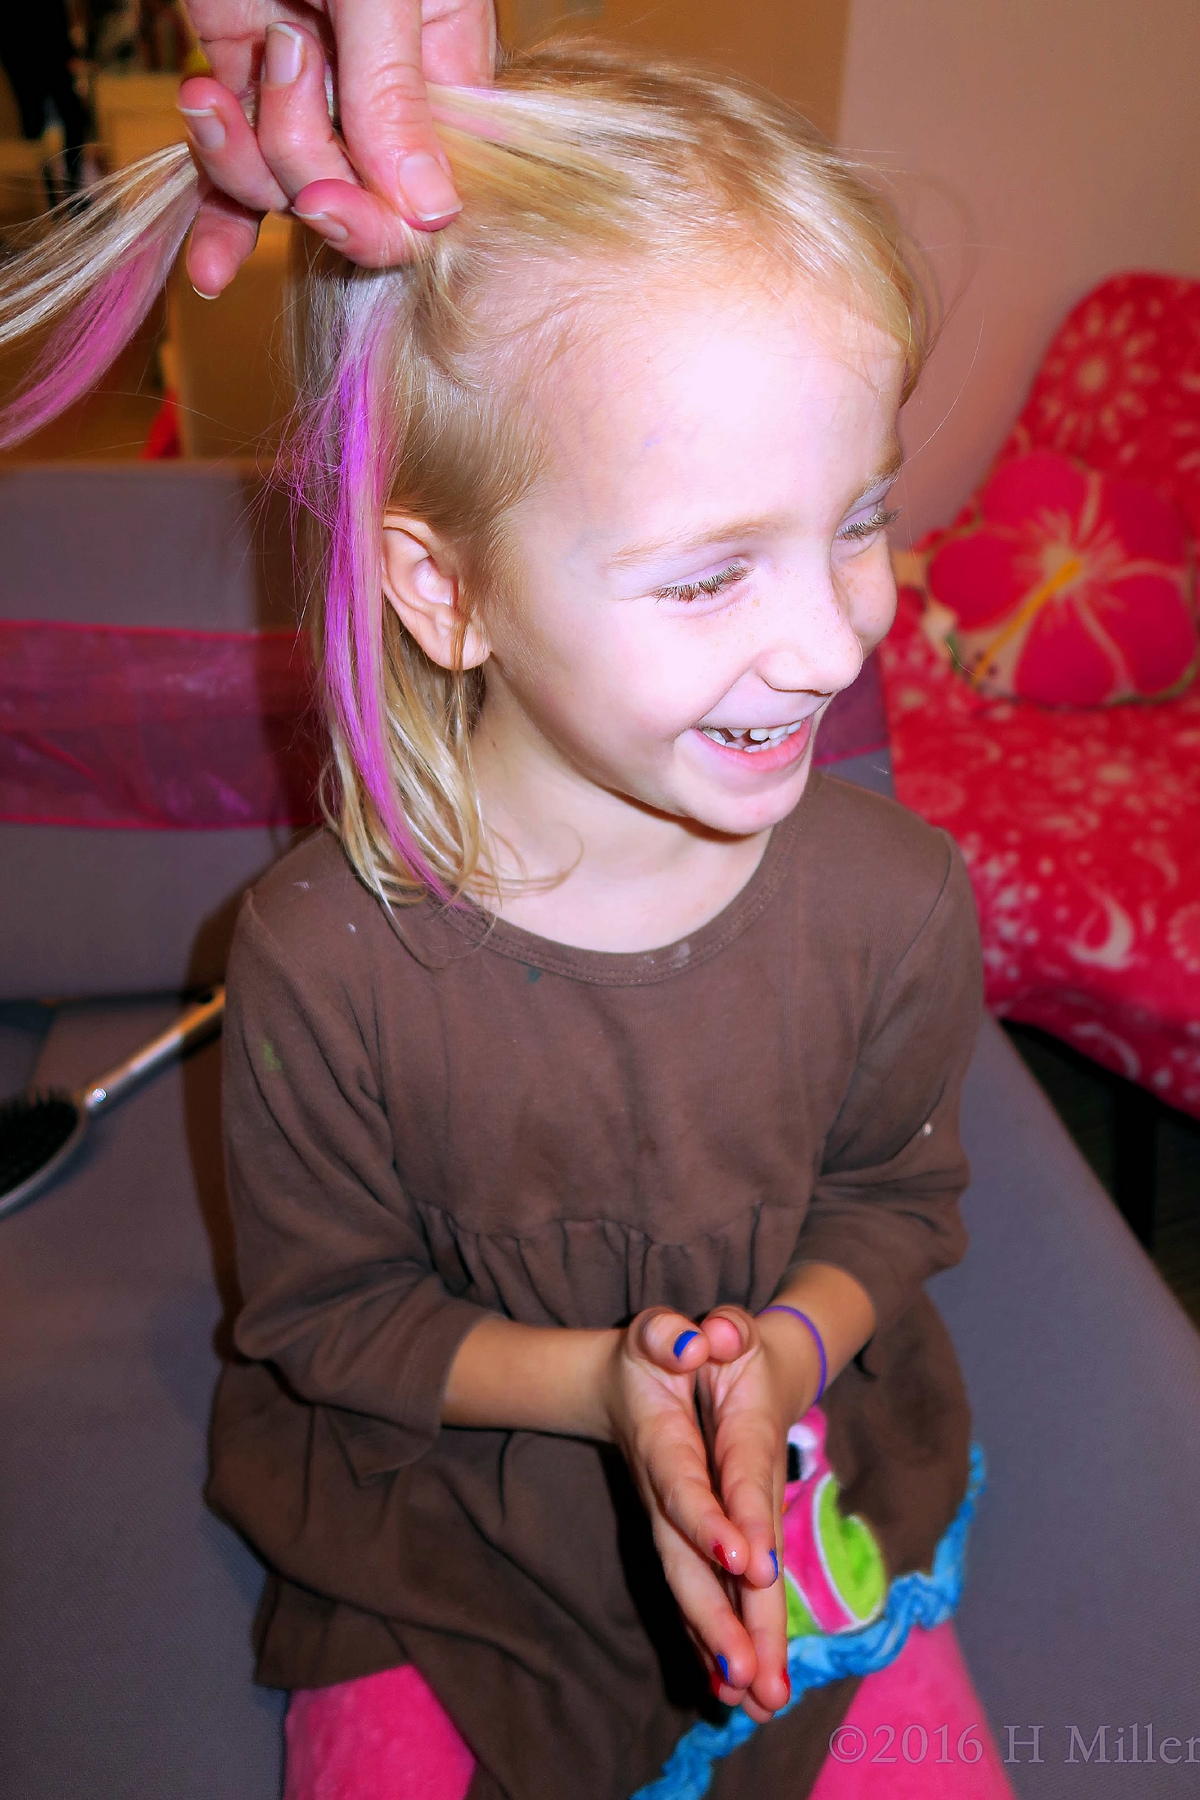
794	47
1070	132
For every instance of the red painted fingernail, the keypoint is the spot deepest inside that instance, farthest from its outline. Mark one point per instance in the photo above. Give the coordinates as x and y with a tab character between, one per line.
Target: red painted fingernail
716	1684
721	1555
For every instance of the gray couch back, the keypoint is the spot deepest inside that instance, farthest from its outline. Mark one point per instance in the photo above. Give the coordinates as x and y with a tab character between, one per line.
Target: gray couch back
189	546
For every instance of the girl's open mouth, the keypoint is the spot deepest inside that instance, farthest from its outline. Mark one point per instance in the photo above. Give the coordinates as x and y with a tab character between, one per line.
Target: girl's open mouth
769	747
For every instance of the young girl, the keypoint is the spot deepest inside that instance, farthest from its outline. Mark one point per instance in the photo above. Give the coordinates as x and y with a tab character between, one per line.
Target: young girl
592	1081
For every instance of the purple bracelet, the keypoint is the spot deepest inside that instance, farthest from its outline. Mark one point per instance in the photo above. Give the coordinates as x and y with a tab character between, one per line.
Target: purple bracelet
780	1306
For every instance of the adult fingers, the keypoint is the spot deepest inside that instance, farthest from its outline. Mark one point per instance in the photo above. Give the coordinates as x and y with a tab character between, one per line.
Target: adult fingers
231	33
225	147
295	133
385	115
458	42
222	237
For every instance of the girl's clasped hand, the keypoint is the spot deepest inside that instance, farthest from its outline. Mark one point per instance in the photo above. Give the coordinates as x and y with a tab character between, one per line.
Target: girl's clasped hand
702	1414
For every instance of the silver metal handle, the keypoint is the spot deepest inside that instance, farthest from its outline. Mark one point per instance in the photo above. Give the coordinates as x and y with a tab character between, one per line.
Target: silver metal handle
197	1025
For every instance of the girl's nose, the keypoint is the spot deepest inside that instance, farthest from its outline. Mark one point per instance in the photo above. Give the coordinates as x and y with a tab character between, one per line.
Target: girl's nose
816	652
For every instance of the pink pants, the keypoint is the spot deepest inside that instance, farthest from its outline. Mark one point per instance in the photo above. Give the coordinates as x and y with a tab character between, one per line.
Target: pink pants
915	1731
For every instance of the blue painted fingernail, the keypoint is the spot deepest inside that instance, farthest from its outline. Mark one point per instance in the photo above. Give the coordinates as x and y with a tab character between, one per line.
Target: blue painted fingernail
724	1668
775	1564
682	1341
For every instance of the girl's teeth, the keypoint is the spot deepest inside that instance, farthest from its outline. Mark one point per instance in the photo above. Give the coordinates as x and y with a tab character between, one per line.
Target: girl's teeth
750	738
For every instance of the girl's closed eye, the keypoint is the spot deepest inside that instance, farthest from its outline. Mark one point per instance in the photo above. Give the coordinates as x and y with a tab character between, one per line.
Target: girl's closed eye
709	585
859	530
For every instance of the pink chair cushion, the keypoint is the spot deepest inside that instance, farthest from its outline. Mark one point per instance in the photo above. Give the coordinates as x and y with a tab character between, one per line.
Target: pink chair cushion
1080	828
1081	832
1119	387
1068	587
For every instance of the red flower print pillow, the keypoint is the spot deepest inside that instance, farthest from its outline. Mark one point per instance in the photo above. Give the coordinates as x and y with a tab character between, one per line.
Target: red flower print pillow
1069	587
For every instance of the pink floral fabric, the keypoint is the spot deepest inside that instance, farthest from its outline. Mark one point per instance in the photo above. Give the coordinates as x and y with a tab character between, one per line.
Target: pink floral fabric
1069	587
1120	387
1081	829
1081	832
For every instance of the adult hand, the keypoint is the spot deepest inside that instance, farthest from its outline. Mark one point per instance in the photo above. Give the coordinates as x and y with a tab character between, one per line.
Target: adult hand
386	168
736	1618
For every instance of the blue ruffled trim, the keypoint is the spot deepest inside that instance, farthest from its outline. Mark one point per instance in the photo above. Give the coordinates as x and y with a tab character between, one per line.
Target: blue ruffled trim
915	1599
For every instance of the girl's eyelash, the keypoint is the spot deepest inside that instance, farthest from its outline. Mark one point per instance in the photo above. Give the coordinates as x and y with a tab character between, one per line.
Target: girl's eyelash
864	528
692	590
712	584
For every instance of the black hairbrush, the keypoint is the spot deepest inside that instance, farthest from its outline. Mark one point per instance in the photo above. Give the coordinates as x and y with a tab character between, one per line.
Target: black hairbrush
39	1133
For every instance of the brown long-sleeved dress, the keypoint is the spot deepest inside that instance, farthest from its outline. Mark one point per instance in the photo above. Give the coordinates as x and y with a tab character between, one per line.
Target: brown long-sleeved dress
432	1113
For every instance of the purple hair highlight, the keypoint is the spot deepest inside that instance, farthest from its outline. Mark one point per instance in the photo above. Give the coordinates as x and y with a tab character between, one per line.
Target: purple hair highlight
95	332
349	443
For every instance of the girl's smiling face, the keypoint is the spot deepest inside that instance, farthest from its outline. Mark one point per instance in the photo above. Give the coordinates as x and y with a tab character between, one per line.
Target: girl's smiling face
704	563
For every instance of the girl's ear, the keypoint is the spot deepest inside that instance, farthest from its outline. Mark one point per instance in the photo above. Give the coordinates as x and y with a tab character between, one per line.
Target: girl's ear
421	581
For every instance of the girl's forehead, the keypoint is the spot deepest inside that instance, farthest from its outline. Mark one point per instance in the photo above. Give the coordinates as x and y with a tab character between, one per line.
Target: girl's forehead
674	351
683	412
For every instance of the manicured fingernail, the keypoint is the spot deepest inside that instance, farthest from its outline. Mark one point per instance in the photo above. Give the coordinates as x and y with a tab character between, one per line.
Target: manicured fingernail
427	188
201	295
204	127
721	1555
284	56
682	1341
774	1563
330	228
723	1665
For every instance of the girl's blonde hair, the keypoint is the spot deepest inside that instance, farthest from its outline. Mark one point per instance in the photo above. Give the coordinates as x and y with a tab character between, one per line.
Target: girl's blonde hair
581	162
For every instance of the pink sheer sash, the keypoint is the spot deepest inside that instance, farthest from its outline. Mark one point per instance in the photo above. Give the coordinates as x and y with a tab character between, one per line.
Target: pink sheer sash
125	727
117	726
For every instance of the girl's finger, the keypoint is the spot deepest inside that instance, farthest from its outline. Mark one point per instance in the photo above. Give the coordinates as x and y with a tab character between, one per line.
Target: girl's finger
730	1332
670	1341
764	1616
225	147
725	1644
747	1478
748	1459
674	1467
222	237
295	133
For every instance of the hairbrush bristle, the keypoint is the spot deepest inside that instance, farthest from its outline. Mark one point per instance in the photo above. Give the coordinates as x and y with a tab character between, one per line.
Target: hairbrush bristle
33	1129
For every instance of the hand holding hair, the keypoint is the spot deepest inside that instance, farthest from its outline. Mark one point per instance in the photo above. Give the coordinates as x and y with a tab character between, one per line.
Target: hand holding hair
387	167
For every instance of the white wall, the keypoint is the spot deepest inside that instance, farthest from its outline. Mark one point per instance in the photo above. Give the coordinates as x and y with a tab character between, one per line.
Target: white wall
1071	130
